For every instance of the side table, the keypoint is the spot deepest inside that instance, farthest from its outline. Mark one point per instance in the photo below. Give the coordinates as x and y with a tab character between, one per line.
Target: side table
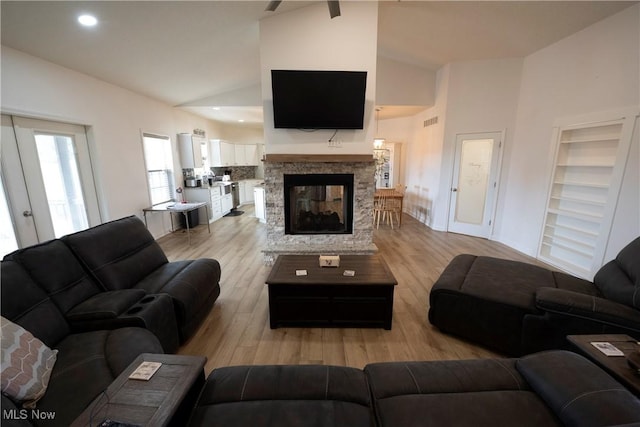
166	399
616	366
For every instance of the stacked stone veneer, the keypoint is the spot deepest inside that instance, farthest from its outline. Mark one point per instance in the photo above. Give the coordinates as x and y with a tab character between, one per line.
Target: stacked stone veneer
359	242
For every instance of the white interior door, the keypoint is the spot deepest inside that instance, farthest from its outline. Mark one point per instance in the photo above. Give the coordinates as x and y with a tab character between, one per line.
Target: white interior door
49	178
475	182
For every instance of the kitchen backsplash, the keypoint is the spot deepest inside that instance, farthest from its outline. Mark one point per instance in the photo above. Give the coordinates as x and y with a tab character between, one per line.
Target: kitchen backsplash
237	172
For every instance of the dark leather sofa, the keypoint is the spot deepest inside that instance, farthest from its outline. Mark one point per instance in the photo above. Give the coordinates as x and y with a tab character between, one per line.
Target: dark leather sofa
101	297
87	362
517	308
556	388
116	275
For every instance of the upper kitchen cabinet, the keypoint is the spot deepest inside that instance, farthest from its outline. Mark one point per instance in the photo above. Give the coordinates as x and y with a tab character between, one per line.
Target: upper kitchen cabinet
224	153
246	155
193	151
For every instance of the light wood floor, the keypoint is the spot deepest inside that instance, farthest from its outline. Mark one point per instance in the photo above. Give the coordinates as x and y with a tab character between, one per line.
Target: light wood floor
237	329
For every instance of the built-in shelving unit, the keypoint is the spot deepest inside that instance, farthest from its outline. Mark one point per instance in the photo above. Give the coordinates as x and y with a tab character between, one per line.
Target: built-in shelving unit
588	168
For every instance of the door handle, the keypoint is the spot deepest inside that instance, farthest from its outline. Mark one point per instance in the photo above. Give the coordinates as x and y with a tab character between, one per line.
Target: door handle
27	213
454	189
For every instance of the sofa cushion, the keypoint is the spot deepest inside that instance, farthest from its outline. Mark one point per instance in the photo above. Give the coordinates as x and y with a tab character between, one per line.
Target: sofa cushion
56	270
119	253
619	279
462	393
582	306
193	286
284	396
105	305
26	364
87	363
25	303
578	391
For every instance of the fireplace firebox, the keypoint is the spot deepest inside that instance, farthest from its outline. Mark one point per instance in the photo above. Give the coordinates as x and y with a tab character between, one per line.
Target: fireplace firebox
318	203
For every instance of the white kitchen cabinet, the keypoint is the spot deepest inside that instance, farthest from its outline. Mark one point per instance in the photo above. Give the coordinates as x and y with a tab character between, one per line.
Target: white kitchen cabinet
250	155
192	150
239	155
246	155
212	196
227	203
225	153
242	191
249	195
258	196
222	153
216	202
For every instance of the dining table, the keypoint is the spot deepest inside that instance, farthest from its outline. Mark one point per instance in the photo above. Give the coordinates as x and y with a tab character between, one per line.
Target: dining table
391	193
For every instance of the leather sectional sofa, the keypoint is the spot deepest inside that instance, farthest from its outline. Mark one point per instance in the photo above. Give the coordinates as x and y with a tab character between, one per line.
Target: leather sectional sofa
101	297
517	308
556	388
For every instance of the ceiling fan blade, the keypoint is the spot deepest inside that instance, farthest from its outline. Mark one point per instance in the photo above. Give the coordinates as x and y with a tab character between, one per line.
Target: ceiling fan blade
334	8
273	5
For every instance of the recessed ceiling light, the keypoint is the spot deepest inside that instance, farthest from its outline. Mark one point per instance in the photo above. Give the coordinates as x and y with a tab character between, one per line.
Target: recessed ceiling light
87	20
241	120
215	108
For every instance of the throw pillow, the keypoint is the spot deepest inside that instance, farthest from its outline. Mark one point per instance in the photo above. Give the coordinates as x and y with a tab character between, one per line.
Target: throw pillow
26	364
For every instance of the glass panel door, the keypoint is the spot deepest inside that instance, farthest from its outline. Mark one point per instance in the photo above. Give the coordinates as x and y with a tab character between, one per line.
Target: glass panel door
475	166
474	186
57	174
59	168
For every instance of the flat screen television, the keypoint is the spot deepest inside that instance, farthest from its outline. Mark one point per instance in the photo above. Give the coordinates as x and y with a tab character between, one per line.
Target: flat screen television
318	99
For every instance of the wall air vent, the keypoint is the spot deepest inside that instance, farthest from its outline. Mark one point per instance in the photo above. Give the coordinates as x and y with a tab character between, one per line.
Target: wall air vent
431	121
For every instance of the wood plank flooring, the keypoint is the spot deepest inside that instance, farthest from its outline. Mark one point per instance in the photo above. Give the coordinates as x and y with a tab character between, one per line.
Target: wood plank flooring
237	328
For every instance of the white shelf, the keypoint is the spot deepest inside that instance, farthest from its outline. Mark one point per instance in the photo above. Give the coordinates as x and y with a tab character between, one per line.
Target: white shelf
588	167
582	184
585	216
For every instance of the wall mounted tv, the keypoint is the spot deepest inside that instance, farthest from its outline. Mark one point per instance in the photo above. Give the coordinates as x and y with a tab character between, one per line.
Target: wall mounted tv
318	99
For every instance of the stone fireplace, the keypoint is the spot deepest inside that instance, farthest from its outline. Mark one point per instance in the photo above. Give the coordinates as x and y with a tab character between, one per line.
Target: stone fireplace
318	203
328	198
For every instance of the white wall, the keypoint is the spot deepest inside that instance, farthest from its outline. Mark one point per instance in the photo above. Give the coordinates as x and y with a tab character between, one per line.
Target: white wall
399	83
115	118
591	71
482	97
471	97
307	39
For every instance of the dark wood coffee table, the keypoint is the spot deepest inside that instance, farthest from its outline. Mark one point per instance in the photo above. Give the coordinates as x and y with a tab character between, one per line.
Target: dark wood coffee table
167	399
325	297
616	366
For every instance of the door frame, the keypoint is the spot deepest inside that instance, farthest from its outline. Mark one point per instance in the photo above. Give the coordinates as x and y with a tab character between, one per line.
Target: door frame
18	190
501	136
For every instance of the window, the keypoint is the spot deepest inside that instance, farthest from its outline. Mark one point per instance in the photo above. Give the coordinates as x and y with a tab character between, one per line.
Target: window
157	155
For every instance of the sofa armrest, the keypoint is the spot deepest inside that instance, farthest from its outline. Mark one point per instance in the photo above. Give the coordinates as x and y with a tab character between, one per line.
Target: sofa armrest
579	393
105	305
574	304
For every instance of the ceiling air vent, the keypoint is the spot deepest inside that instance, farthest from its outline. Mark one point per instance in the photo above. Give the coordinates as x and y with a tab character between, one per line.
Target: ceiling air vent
431	121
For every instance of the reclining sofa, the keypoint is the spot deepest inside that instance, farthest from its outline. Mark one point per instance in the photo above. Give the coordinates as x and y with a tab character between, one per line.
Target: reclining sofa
556	388
101	297
517	308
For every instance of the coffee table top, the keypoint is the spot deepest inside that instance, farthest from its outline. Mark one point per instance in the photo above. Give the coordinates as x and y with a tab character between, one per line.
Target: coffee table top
369	270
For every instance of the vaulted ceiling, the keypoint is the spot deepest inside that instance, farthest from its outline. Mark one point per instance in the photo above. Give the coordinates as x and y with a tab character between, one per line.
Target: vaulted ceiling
183	52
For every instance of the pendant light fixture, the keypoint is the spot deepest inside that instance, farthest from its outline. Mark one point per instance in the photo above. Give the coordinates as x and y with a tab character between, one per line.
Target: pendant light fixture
378	142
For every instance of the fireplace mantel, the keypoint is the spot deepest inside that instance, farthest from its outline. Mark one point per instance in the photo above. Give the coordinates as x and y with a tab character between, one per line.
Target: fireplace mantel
318	158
